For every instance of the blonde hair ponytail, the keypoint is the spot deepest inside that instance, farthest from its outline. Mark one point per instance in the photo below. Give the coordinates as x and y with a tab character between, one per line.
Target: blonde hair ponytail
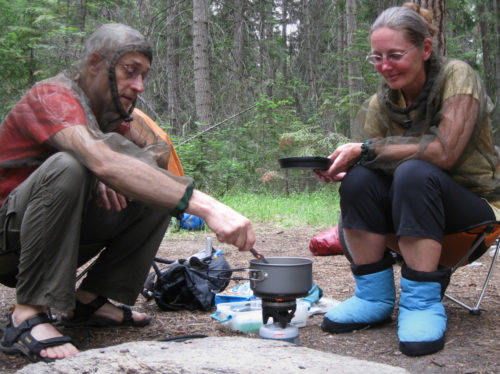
426	14
410	18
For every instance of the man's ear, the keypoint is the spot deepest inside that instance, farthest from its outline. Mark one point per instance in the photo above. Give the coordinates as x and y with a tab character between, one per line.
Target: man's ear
427	48
94	63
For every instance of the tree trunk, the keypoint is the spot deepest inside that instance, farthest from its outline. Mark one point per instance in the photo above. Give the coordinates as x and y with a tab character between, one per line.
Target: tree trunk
355	80
308	50
496	58
488	27
438	8
31	65
202	89
83	14
261	42
488	41
238	40
284	36
340	50
496	114
172	62
267	63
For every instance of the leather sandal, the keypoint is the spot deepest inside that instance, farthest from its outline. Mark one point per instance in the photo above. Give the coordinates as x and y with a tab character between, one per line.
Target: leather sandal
18	340
83	316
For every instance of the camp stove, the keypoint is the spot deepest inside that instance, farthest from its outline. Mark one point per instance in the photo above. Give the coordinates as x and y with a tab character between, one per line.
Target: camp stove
279	282
281	310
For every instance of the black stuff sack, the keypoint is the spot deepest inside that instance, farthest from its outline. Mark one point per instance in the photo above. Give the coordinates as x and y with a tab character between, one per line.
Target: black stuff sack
191	284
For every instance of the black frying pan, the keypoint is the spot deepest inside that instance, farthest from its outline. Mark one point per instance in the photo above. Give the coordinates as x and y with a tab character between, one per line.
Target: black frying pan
307	162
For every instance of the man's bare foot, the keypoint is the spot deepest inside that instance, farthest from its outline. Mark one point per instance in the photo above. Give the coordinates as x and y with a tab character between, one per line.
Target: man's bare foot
43	331
108	310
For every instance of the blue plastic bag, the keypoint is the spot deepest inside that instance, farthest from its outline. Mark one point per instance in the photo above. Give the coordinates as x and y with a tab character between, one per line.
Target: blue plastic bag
190	222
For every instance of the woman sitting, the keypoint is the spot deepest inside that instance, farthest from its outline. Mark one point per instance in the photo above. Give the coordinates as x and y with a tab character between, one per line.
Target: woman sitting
425	166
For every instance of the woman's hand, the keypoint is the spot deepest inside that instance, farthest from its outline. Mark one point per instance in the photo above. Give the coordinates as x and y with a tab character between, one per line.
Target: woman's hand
343	158
110	199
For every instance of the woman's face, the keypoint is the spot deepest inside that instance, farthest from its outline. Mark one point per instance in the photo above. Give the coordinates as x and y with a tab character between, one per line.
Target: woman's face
401	63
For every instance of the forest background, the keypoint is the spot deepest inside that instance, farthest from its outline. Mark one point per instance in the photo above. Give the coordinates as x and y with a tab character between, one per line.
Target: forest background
237	84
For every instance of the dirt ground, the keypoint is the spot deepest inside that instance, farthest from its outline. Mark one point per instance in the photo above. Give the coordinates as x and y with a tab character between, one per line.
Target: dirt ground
472	341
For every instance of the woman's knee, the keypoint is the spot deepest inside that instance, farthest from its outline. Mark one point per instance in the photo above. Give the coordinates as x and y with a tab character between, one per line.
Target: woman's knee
413	176
356	180
362	181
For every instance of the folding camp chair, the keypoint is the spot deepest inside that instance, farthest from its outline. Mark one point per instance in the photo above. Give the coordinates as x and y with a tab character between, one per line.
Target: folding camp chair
478	239
458	249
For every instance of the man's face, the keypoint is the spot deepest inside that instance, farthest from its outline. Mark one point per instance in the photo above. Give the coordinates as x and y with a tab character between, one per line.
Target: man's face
131	71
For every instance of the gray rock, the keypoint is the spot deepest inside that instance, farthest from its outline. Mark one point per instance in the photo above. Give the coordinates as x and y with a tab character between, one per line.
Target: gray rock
226	355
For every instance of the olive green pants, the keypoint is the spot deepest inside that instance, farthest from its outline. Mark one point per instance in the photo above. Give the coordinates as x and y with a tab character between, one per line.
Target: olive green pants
51	224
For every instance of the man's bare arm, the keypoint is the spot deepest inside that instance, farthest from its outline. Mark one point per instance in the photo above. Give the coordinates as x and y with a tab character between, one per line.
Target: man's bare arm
140	181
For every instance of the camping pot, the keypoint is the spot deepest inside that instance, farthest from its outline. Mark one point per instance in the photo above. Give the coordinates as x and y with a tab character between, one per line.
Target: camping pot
286	277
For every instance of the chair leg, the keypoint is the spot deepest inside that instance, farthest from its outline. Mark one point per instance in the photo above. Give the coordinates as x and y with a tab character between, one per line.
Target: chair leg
476	310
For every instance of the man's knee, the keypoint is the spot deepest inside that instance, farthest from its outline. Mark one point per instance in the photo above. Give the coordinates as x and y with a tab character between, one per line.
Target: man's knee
67	164
66	172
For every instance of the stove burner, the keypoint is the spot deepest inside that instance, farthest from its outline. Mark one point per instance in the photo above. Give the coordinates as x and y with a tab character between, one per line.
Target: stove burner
281	310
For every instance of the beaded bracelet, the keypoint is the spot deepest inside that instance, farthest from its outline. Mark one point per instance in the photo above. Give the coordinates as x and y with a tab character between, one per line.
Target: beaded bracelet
364	152
184	202
367	153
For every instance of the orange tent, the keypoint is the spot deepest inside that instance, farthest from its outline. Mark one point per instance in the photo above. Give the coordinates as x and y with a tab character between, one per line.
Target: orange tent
174	163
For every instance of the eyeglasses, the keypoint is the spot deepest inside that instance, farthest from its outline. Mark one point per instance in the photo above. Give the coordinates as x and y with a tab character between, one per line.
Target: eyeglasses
132	71
391	58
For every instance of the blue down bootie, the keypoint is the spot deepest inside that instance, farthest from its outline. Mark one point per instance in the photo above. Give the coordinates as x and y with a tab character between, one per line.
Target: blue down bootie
372	303
422	318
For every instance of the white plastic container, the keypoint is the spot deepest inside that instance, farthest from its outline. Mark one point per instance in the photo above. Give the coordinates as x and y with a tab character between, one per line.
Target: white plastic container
244	316
301	314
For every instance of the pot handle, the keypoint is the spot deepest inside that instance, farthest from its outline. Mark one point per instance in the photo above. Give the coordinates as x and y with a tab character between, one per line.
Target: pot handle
253	274
256	275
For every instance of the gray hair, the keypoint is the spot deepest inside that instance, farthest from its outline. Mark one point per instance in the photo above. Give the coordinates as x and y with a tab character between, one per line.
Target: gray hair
112	41
414	21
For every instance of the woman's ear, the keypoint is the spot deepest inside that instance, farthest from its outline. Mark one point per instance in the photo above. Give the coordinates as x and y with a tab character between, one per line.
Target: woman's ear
427	48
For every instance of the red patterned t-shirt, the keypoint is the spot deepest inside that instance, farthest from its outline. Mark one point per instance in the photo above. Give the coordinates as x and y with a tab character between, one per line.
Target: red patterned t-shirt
45	110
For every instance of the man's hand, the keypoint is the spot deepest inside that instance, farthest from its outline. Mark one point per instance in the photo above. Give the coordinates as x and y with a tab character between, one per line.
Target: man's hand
109	198
228	225
232	228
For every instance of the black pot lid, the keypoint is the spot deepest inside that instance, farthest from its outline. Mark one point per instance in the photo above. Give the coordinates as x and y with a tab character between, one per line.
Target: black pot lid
307	162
